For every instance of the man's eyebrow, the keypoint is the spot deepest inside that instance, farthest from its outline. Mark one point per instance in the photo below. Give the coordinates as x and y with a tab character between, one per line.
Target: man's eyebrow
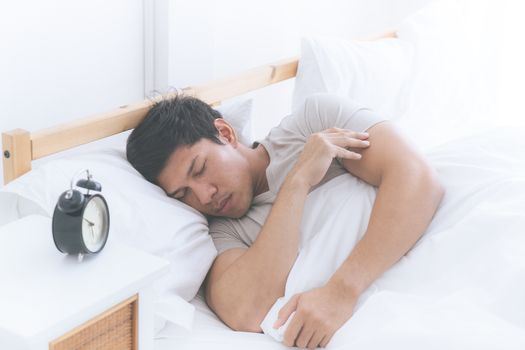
187	175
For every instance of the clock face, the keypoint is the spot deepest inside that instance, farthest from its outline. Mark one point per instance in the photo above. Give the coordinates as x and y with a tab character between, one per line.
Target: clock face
95	224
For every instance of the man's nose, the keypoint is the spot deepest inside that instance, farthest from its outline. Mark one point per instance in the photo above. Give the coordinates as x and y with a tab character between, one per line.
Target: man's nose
205	192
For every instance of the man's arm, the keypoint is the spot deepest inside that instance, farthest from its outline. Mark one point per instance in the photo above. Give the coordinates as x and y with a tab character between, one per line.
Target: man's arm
242	286
408	196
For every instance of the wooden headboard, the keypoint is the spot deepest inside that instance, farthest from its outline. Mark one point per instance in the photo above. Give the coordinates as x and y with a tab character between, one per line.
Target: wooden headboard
20	147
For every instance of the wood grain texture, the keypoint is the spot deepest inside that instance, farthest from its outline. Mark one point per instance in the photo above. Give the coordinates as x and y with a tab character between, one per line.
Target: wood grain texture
82	131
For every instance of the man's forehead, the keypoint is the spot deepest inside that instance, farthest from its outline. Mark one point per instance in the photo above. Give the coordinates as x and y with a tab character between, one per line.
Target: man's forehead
184	154
174	164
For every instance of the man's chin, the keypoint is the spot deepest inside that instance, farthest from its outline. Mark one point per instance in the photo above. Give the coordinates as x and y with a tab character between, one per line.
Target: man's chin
238	216
232	215
243	211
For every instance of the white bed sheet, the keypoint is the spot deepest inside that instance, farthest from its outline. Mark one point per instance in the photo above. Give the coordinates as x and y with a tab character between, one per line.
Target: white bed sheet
209	331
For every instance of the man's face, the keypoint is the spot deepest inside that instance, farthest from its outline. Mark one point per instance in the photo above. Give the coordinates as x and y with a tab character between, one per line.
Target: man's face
219	174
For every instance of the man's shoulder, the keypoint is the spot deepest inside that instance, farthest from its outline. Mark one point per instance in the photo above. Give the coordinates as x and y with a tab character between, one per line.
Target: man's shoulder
325	110
321	111
327	105
329	99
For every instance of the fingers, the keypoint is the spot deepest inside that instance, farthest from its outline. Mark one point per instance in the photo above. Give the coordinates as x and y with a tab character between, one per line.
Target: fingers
347	142
325	340
286	311
346	138
316	339
293	330
350	133
346	154
304	337
362	135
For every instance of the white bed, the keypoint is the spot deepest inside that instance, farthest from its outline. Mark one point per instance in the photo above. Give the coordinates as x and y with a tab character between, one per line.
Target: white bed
460	287
209	331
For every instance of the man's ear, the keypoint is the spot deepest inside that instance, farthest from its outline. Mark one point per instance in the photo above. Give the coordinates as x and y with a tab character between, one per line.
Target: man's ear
226	131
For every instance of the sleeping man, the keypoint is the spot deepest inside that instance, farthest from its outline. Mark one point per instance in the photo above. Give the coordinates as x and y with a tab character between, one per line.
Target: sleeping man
254	198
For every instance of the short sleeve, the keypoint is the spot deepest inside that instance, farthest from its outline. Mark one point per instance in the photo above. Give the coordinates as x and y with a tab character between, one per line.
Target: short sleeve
323	111
224	236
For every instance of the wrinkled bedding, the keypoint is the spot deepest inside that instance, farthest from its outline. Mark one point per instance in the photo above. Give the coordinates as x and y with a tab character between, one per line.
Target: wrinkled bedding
461	285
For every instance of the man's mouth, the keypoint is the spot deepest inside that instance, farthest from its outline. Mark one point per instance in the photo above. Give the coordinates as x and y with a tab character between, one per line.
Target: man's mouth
224	204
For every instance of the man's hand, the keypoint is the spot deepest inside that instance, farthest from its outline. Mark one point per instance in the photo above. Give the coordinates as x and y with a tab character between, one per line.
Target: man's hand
322	147
319	313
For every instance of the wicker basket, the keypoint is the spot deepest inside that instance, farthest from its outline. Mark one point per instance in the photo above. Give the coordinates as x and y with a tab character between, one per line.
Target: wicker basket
115	329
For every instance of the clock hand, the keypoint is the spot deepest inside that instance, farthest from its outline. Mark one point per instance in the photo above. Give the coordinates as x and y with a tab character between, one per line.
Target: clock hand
89	222
92	232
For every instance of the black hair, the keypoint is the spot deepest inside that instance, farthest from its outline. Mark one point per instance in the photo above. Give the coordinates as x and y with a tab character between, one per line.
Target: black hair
170	123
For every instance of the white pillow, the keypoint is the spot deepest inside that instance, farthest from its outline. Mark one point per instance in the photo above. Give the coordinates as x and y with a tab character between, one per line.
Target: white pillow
141	215
374	73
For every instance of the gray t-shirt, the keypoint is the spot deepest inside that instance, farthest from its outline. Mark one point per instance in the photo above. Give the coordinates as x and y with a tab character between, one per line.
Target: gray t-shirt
284	144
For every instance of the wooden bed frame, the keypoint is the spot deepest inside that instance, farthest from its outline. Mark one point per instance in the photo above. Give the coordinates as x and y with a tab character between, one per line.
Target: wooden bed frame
20	147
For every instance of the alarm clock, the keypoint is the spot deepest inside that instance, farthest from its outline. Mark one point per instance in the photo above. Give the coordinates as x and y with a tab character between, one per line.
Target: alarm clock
80	222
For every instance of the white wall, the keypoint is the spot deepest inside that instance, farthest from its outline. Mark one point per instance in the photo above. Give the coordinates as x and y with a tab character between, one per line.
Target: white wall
212	39
62	60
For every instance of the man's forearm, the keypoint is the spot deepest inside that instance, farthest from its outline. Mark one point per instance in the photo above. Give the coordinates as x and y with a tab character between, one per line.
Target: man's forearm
405	204
258	277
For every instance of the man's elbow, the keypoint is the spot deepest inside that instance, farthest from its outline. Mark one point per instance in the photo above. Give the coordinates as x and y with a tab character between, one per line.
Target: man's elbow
248	323
238	317
242	321
246	319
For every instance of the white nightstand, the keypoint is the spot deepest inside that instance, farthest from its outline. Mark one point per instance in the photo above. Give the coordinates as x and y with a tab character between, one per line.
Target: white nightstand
49	300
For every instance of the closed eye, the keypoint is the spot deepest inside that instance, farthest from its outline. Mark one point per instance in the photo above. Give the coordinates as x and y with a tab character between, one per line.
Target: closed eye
200	173
202	170
180	197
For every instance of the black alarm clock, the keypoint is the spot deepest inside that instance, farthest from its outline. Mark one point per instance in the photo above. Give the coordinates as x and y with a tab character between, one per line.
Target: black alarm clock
81	221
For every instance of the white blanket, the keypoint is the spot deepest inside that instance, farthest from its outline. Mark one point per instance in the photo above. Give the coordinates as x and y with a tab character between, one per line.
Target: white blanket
461	286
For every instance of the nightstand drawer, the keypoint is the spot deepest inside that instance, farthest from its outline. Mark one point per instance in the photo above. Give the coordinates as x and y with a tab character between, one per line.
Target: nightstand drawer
115	329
